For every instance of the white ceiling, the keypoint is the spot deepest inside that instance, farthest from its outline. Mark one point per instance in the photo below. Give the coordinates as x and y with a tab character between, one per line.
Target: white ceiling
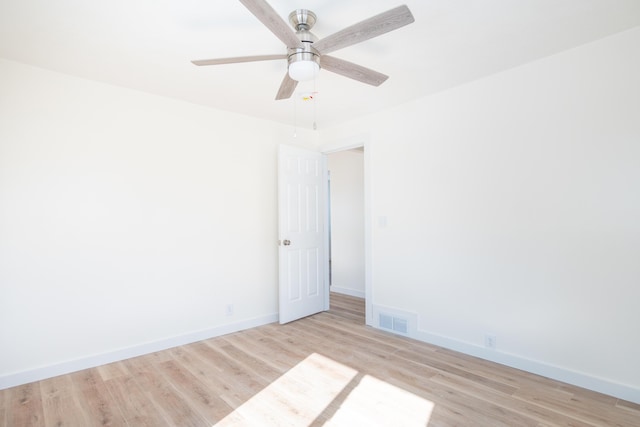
147	45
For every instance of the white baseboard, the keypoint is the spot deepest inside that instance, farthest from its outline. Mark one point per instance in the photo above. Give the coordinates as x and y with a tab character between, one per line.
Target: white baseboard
580	379
347	291
621	391
37	374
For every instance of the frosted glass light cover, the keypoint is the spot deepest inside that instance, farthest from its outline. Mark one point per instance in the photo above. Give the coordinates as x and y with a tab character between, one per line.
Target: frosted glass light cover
303	70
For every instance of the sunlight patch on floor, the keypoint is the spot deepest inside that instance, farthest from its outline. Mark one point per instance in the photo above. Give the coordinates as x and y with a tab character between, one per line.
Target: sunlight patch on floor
321	390
377	403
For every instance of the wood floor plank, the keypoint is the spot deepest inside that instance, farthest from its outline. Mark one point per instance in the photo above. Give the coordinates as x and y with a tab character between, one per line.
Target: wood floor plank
633	407
230	371
169	401
136	408
326	369
500	373
60	403
348	307
201	397
4	407
95	399
113	370
431	360
280	355
210	369
537	414
251	363
24	406
588	411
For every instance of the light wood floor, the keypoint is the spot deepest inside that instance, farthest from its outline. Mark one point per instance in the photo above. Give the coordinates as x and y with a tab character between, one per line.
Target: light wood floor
327	369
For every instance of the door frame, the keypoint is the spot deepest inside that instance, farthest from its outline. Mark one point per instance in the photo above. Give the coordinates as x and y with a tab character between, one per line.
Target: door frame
344	145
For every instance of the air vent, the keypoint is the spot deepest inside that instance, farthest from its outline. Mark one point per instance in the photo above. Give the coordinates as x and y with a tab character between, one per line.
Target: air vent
400	325
386	321
396	324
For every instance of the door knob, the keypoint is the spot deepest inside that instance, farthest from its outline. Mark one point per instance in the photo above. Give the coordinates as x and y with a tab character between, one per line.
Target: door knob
286	242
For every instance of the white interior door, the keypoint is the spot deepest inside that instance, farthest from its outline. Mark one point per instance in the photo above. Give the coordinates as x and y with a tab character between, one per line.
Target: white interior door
302	198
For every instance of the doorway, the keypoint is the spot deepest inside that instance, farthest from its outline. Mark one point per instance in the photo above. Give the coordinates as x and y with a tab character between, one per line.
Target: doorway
347	260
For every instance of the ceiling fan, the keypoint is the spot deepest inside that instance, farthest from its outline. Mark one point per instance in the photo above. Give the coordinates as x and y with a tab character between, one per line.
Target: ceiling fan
306	54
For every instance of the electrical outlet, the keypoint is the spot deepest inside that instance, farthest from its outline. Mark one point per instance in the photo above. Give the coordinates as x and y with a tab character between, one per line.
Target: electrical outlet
490	341
229	310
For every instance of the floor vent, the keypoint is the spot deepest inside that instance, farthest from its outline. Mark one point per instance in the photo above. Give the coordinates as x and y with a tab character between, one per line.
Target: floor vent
396	324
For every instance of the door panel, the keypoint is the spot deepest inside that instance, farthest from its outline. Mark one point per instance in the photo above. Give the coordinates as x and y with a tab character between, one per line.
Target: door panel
302	204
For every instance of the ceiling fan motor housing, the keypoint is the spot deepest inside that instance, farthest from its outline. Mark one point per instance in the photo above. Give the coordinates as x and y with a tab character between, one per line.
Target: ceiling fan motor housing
302	21
305	53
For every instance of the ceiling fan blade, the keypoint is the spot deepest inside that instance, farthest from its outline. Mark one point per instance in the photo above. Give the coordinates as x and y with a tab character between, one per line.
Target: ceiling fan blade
365	30
286	88
353	71
270	18
235	60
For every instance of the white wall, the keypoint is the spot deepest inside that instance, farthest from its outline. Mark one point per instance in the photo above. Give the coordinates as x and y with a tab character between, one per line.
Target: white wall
347	222
127	222
512	208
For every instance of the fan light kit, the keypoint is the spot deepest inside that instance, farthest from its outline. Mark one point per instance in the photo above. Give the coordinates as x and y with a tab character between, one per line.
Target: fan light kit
302	70
306	55
304	62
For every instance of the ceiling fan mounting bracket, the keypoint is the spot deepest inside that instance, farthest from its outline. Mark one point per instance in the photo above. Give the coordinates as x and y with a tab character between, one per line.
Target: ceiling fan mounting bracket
302	19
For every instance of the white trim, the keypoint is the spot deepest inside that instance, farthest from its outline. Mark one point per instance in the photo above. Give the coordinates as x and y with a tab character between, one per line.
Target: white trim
346	144
580	379
347	291
362	140
326	280
368	233
41	373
